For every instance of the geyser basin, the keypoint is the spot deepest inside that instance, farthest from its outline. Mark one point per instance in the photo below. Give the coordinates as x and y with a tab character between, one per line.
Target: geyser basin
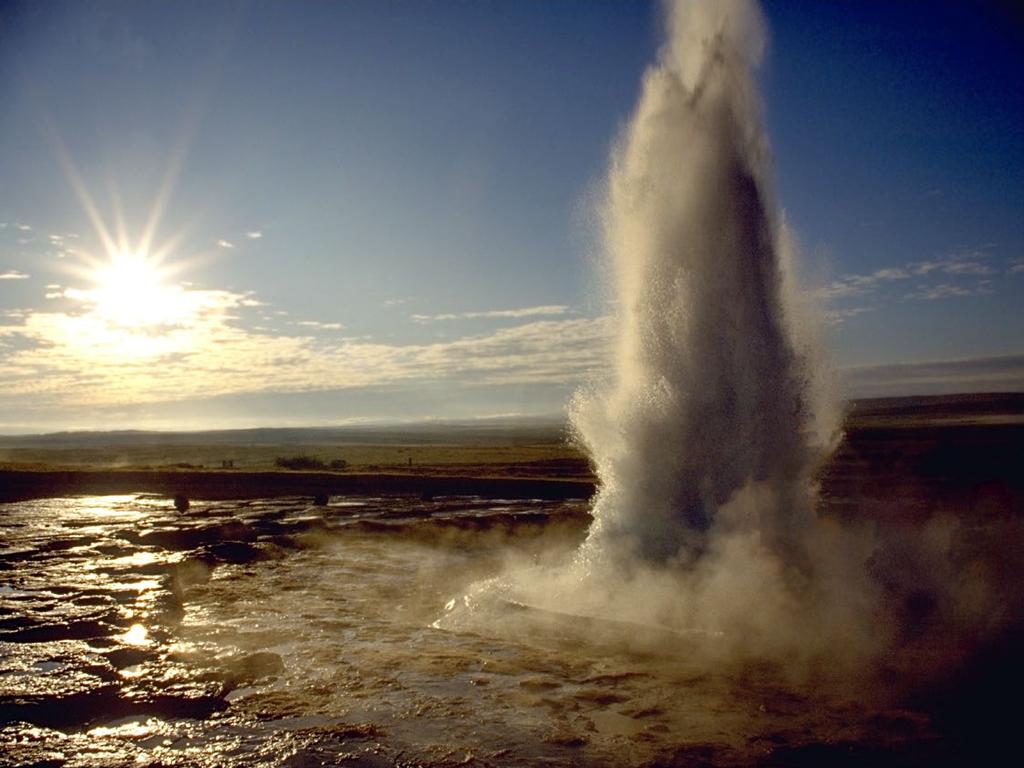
282	633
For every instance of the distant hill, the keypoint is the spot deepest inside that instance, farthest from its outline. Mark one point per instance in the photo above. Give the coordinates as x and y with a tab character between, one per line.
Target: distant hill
986	404
514	430
484	431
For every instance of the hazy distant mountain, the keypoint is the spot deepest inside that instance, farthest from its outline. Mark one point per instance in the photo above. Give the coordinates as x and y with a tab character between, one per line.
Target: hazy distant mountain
510	429
497	430
942	406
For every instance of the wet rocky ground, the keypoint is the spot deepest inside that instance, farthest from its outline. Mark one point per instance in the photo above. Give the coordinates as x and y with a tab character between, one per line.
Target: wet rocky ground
95	655
283	632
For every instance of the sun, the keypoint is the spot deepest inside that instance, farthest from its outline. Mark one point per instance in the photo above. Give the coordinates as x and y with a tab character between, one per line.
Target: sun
129	308
130	292
131	312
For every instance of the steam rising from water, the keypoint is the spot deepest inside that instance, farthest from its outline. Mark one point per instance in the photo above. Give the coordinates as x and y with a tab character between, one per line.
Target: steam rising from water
707	432
713	390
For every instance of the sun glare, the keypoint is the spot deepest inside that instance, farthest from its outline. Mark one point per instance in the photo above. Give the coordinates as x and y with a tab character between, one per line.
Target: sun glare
130	293
131	311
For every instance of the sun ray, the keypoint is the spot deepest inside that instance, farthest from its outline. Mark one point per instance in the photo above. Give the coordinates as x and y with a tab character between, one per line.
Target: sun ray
130	306
119	223
174	164
81	192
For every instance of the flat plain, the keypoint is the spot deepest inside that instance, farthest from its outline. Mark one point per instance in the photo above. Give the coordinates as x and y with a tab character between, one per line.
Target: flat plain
894	457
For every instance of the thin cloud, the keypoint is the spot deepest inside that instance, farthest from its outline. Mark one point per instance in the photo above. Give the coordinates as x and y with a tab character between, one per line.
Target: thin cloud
76	358
225	244
13	274
963	264
541	311
837	316
957	269
254	234
319	325
948	290
890	273
859	285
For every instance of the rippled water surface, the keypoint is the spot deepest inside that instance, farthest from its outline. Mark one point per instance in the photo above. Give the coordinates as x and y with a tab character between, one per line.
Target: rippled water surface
281	633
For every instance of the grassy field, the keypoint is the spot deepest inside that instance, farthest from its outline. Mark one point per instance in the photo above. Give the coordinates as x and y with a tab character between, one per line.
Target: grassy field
358	457
409	448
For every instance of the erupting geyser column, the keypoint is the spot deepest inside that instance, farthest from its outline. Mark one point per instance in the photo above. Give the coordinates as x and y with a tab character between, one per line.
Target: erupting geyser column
711	402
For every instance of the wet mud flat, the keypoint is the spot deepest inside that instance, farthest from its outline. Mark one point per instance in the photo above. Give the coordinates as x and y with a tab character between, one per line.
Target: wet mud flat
279	632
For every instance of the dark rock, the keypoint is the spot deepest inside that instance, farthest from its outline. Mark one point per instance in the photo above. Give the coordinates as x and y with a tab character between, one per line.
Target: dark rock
192	537
80	629
59	545
237	552
127	657
181	503
60	711
191	704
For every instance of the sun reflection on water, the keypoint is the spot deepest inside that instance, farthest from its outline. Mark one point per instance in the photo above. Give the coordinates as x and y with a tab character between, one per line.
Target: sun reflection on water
137	635
132	729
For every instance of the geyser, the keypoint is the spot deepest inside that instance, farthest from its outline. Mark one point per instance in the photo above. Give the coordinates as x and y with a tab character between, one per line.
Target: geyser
714	416
706	433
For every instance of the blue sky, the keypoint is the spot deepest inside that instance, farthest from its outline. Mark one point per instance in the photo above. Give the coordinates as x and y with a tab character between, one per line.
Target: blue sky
385	210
